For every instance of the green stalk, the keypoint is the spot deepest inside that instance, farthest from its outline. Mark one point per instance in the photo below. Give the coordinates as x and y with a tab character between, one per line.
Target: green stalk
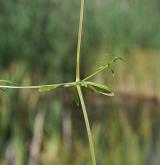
78	83
102	68
79	88
95	73
70	84
87	125
79	40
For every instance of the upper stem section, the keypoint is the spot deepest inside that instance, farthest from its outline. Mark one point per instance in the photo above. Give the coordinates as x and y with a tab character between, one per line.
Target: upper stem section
79	40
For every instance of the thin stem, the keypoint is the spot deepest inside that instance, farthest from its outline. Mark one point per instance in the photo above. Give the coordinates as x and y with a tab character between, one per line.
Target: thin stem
36	87
79	40
95	73
87	125
102	68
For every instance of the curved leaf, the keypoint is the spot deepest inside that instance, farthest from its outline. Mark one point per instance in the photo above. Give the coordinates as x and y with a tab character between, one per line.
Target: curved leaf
96	87
6	82
47	88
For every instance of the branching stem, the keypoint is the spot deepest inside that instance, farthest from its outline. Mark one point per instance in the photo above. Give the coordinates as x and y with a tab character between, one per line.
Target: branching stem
79	88
102	68
78	83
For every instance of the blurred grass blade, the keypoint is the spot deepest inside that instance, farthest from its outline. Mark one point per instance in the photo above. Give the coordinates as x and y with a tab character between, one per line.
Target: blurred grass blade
96	87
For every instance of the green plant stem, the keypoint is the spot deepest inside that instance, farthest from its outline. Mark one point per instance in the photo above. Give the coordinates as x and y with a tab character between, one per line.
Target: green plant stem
102	68
87	125
79	40
95	73
78	86
36	87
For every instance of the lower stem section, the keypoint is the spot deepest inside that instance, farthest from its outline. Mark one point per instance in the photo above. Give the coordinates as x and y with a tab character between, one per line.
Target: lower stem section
87	125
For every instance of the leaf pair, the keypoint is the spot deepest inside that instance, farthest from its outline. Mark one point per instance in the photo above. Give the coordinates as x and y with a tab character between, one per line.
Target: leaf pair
97	87
94	87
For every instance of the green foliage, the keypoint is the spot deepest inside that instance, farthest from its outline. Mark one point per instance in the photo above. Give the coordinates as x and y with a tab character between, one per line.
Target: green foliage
48	88
95	87
6	82
38	45
103	89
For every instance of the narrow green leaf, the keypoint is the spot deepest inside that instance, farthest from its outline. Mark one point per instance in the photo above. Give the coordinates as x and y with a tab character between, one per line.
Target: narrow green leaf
96	87
48	88
76	96
6	82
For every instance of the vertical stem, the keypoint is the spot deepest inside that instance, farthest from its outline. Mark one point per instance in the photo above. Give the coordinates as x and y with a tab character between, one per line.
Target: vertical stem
79	88
79	41
87	125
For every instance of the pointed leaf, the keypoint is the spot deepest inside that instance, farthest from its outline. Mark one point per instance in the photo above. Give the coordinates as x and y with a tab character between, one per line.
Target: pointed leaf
6	82
96	87
48	88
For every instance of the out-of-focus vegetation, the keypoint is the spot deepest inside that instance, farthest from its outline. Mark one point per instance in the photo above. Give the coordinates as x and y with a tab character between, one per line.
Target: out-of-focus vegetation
38	45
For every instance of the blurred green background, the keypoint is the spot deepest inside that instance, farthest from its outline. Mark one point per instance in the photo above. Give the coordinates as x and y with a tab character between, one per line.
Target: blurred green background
38	40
